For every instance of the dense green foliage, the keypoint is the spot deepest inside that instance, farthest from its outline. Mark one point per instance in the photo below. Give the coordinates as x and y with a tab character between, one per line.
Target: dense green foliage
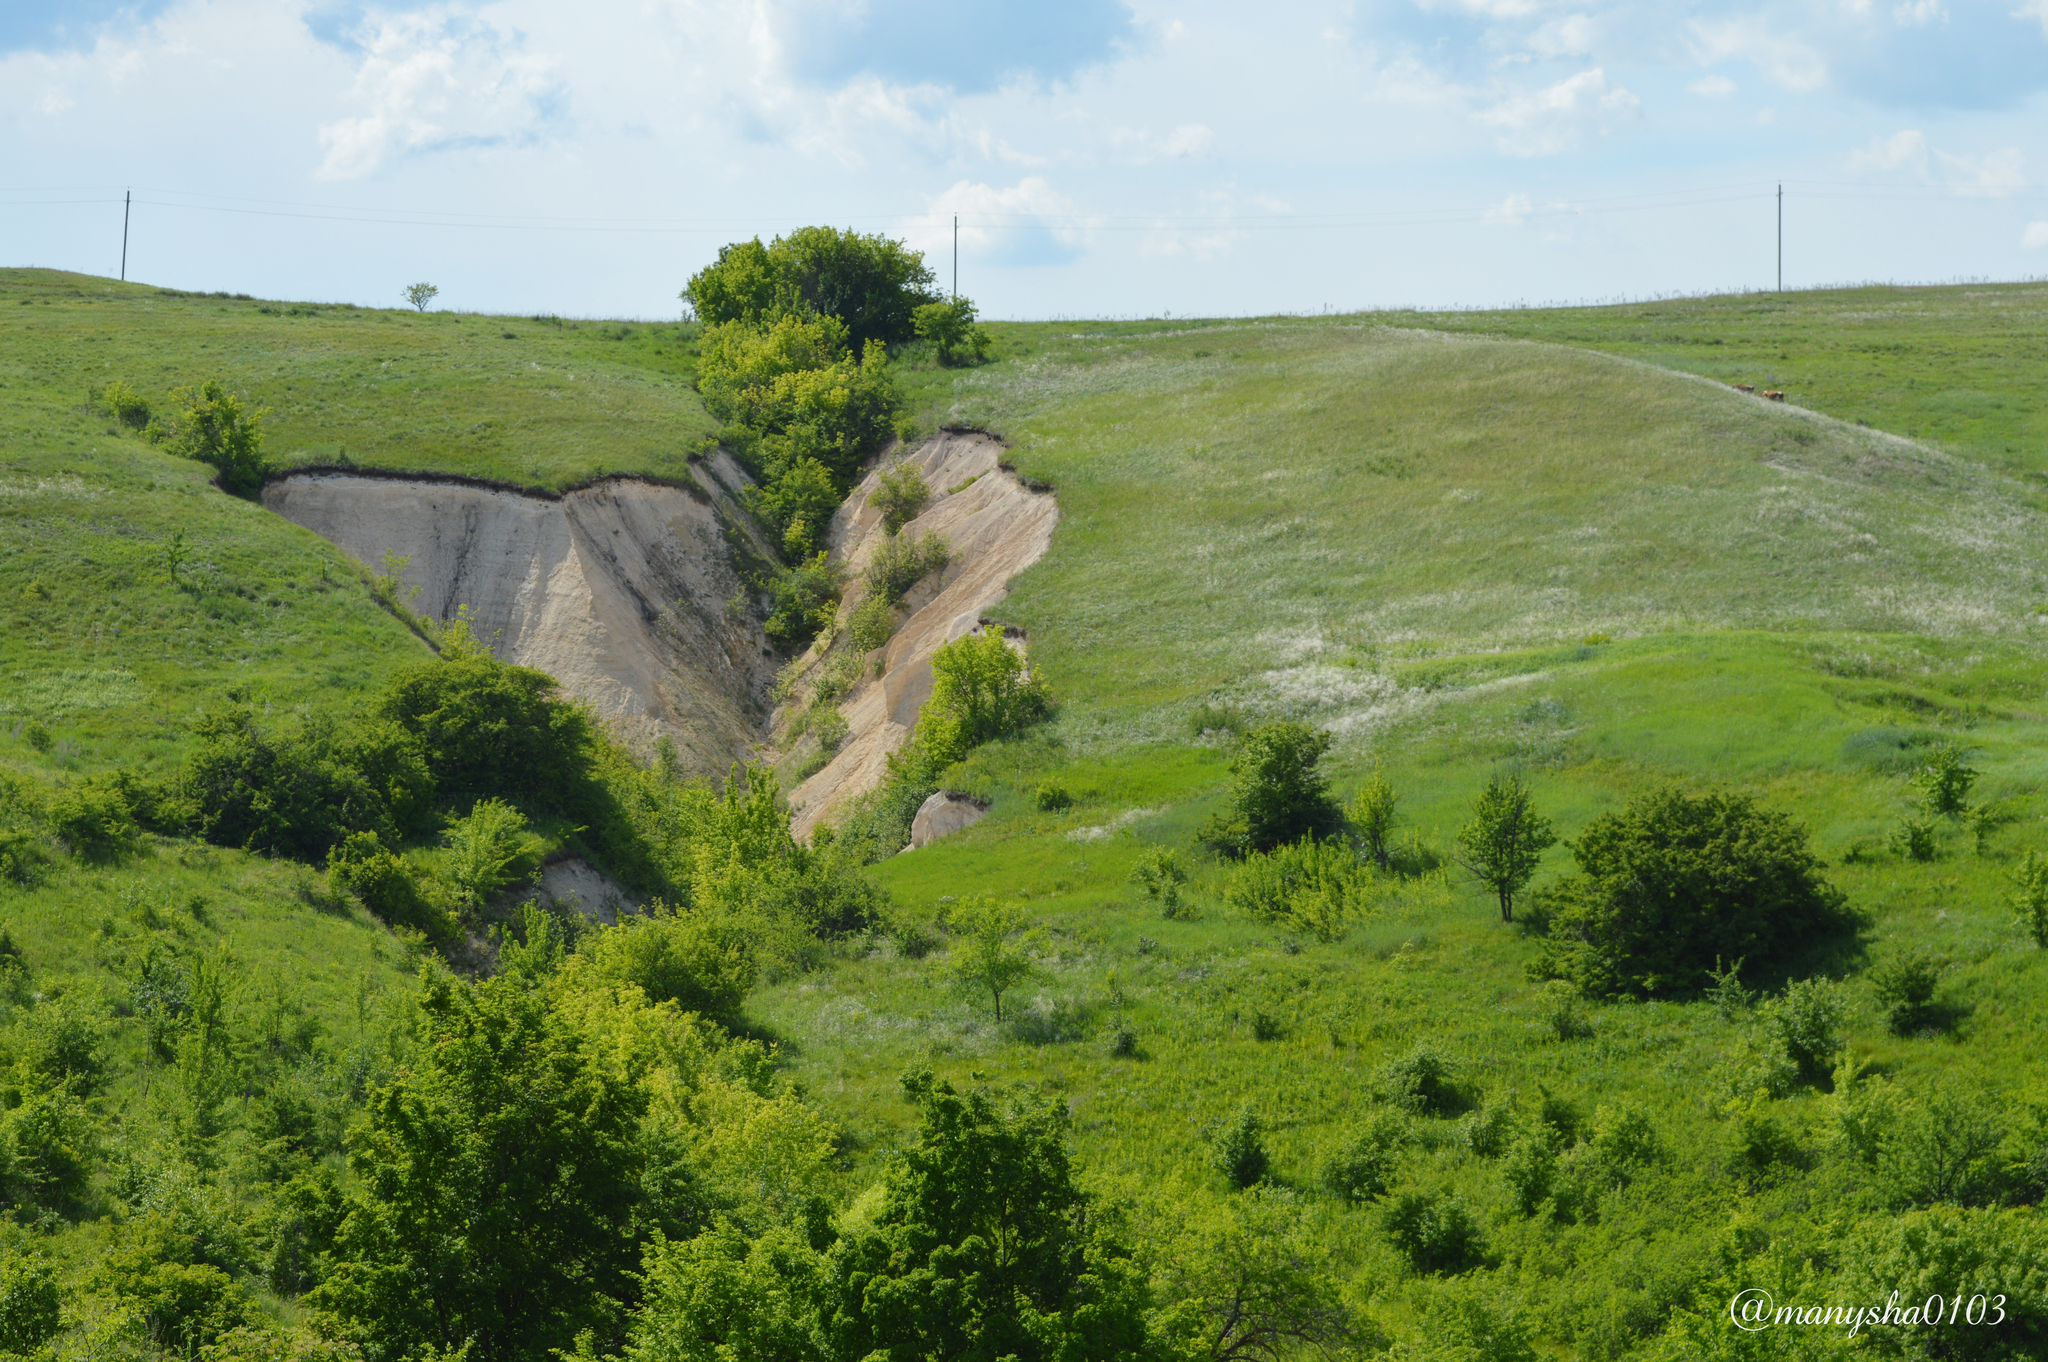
872	284
218	428
1277	792
950	327
1677	883
982	689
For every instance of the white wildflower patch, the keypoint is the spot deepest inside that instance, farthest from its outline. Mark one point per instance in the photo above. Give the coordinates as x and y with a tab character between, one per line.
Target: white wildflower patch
65	488
67	692
1103	831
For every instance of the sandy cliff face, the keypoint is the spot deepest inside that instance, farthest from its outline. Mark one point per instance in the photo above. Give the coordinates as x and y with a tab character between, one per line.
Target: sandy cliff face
617	590
997	527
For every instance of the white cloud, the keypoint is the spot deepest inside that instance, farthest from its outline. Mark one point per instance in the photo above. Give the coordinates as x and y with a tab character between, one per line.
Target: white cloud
1561	116
436	78
1573	35
1029	223
1781	58
1919	13
2034	9
1142	145
1992	175
1718	87
1509	212
1906	149
2036	236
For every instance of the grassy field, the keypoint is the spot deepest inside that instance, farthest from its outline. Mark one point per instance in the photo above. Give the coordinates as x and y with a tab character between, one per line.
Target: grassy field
1464	544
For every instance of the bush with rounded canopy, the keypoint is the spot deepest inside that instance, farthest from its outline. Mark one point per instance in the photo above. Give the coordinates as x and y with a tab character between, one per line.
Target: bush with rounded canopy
1677	883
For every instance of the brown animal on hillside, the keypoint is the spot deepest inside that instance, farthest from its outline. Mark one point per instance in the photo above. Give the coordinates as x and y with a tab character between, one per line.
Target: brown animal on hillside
1774	394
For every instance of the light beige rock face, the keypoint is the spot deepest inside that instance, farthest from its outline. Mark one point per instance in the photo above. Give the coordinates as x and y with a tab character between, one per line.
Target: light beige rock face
577	883
942	815
618	591
997	528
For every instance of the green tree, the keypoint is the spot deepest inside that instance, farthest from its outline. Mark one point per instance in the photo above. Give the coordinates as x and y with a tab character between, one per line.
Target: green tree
1248	1283
1371	815
704	964
1237	1149
1676	883
989	957
419	295
740	286
498	1182
1505	841
1945	780
1277	793
984	1248
31	1305
900	495
982	689
722	1297
218	428
950	327
1905	984
871	283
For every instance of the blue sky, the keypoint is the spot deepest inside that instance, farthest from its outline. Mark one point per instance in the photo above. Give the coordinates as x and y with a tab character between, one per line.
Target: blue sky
1104	157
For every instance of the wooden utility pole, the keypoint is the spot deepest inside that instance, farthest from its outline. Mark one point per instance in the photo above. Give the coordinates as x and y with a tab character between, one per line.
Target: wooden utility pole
956	257
1781	236
127	197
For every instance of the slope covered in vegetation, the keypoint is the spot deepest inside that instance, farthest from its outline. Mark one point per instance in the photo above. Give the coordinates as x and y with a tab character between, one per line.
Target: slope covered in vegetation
1333	1080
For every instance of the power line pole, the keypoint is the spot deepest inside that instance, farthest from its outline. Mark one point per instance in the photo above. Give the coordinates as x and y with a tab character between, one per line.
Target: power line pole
127	197
1781	236
956	257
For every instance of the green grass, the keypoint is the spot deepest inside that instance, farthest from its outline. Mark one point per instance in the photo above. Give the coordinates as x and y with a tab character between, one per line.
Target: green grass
536	401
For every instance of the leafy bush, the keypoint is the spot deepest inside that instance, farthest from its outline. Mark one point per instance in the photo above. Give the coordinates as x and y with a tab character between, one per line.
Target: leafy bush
1917	839
486	728
64	1045
1313	886
793	389
1505	841
871	623
982	689
217	428
21	817
1905	985
489	849
1676	883
1237	1150
1051	798
950	327
803	599
1944	1252
131	409
1424	1081
1160	875
900	495
1945	781
1561	1014
1433	1230
31	1305
900	563
829	727
1277	795
299	793
1363	1166
93	819
1371	815
1805	1021
798	504
702	963
2030	896
387	886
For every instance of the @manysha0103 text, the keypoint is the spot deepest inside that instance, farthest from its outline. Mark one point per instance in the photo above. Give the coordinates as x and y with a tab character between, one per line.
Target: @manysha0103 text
1754	1309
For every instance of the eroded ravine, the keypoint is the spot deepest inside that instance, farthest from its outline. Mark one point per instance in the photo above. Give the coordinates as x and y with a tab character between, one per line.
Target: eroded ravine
625	592
618	590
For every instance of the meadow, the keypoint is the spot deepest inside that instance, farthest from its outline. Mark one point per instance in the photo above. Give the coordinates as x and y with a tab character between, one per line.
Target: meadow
1554	543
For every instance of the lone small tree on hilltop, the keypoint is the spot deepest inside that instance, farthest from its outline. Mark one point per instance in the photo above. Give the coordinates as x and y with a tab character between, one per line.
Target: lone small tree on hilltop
419	295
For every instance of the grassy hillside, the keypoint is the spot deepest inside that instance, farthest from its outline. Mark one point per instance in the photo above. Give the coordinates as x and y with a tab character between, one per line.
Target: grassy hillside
1461	544
534	400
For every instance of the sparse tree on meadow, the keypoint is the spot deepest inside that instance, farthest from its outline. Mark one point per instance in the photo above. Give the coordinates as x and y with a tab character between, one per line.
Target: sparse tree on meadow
1371	815
419	295
991	957
1505	841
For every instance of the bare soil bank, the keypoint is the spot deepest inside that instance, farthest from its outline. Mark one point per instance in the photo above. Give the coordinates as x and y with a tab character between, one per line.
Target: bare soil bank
617	590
